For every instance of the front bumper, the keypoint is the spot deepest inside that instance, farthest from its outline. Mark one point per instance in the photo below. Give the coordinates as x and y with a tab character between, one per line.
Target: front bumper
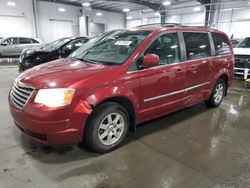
242	72
48	131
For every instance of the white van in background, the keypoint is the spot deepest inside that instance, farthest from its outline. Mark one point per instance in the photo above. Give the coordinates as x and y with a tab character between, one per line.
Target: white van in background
242	59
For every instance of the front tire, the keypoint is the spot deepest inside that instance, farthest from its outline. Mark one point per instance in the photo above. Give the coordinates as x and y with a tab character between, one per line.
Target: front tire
107	127
217	94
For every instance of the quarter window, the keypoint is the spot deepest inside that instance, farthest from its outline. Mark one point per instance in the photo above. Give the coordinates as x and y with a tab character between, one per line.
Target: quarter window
167	48
197	45
221	44
34	41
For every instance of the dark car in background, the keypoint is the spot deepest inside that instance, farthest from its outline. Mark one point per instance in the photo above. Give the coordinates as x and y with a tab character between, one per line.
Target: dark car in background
58	49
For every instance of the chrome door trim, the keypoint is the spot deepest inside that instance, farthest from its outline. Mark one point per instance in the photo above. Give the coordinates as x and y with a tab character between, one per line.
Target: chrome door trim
175	92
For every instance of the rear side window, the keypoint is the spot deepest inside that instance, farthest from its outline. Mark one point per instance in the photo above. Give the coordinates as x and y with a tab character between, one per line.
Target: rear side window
25	41
197	45
221	44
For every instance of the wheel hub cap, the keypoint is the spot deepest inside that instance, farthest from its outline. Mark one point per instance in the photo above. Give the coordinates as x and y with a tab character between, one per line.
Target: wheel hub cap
111	129
219	92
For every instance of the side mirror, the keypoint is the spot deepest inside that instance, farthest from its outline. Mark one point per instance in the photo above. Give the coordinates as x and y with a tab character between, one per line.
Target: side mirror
151	60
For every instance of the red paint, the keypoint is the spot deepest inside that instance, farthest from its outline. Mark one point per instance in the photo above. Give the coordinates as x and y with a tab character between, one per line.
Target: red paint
95	83
151	60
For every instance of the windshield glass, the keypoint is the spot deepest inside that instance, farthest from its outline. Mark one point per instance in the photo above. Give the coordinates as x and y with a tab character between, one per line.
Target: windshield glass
245	43
90	43
114	49
56	44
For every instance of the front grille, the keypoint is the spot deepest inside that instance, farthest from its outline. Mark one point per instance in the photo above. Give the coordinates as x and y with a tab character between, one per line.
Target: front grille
20	94
242	61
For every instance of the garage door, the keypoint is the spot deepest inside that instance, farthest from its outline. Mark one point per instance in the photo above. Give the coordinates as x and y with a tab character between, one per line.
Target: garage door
13	26
61	28
96	28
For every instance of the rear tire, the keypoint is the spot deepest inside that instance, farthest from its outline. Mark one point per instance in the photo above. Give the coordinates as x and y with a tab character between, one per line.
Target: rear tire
218	94
107	127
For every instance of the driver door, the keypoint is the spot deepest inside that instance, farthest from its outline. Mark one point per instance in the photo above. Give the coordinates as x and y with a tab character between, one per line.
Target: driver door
162	87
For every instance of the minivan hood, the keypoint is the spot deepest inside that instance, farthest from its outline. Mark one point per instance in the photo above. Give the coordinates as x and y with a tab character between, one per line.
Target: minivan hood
242	51
62	73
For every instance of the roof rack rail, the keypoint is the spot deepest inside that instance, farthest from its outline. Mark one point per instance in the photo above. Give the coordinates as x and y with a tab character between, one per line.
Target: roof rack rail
162	24
171	25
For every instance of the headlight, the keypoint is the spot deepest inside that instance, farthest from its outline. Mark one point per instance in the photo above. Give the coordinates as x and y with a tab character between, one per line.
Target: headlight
54	97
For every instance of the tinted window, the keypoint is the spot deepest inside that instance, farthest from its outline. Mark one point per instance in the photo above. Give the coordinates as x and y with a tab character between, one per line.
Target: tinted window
72	46
167	48
197	45
221	44
25	41
56	44
11	41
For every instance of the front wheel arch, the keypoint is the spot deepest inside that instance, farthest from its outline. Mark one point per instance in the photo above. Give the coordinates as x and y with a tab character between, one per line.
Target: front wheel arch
127	104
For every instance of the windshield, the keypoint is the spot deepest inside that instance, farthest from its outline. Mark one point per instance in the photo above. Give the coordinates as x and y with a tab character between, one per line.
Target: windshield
113	49
245	43
90	43
56	44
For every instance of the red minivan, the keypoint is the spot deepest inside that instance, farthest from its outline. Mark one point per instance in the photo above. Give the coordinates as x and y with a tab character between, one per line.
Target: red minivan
131	76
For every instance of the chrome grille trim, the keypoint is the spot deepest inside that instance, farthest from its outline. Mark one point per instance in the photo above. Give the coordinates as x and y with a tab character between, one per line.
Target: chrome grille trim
20	94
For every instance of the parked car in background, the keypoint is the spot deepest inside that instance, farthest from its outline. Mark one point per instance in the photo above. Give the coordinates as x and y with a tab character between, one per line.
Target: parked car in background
13	46
242	59
130	77
235	42
58	49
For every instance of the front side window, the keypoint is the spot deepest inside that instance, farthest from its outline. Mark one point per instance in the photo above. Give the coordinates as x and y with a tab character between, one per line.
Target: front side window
245	43
197	45
114	49
221	44
167	48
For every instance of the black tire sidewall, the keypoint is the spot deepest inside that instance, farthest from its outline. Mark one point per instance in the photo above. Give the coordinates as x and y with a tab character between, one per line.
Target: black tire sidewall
91	132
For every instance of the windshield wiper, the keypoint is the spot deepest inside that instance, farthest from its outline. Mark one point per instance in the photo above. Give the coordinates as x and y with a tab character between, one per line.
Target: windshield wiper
109	63
89	61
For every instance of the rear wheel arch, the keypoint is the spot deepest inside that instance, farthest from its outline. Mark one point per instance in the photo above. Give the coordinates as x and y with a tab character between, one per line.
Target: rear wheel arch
225	78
